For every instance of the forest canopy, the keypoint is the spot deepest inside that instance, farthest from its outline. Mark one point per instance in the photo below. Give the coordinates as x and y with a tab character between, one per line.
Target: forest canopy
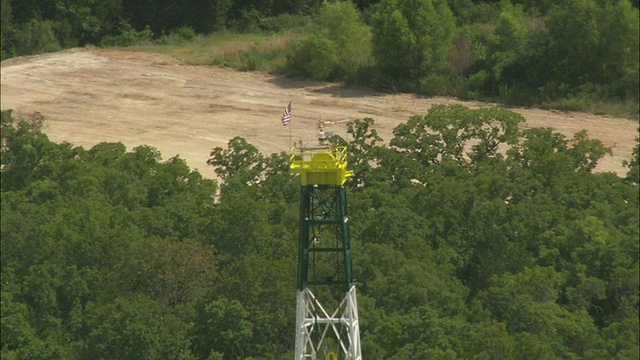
472	239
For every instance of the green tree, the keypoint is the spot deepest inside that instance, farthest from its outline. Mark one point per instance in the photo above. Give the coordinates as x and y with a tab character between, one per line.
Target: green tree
138	328
341	23
6	27
401	280
411	40
619	47
507	53
315	57
221	326
443	133
266	290
47	26
622	339
239	225
240	159
605	53
17	333
548	155
163	16
491	340
174	273
633	175
526	302
338	49
35	37
81	22
26	151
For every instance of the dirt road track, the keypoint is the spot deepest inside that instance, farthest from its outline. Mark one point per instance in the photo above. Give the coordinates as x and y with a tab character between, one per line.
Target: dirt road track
89	96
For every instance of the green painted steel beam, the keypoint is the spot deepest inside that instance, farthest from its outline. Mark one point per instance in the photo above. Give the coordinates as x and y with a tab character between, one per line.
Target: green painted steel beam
324	221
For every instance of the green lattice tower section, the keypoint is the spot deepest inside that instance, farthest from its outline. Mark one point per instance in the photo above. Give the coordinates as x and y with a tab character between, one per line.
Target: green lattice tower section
325	249
327	325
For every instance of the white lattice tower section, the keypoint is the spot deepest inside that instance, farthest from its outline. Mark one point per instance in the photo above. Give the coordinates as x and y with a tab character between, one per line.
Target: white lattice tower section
315	323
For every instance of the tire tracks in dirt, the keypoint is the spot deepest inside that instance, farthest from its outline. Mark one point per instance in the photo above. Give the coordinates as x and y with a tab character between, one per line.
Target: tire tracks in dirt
88	96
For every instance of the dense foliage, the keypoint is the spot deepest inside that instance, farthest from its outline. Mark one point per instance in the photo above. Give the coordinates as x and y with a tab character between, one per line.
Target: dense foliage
473	239
569	54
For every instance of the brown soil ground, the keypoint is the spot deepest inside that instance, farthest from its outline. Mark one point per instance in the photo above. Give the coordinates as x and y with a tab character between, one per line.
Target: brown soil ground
89	96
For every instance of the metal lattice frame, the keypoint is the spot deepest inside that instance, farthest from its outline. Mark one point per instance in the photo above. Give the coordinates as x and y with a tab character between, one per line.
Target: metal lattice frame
314	323
325	244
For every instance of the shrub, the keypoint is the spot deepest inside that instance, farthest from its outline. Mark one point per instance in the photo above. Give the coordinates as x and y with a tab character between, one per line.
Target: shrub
478	81
179	36
315	57
443	85
185	32
338	48
128	36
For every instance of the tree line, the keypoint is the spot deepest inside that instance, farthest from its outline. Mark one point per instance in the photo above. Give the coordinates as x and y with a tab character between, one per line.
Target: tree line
570	54
472	239
33	26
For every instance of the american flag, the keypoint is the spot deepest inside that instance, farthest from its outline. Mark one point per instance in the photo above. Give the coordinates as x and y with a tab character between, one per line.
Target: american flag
286	117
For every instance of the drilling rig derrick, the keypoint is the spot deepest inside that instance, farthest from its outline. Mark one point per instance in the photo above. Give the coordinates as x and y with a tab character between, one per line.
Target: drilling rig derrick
327	325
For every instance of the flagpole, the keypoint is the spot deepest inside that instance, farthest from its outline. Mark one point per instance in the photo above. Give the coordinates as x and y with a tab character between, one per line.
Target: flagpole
290	144
286	121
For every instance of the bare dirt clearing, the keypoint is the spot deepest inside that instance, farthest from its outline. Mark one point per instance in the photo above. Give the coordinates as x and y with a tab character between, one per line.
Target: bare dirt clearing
89	96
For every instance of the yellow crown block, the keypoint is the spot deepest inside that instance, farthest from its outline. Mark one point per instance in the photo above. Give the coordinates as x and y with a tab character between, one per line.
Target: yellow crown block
320	166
